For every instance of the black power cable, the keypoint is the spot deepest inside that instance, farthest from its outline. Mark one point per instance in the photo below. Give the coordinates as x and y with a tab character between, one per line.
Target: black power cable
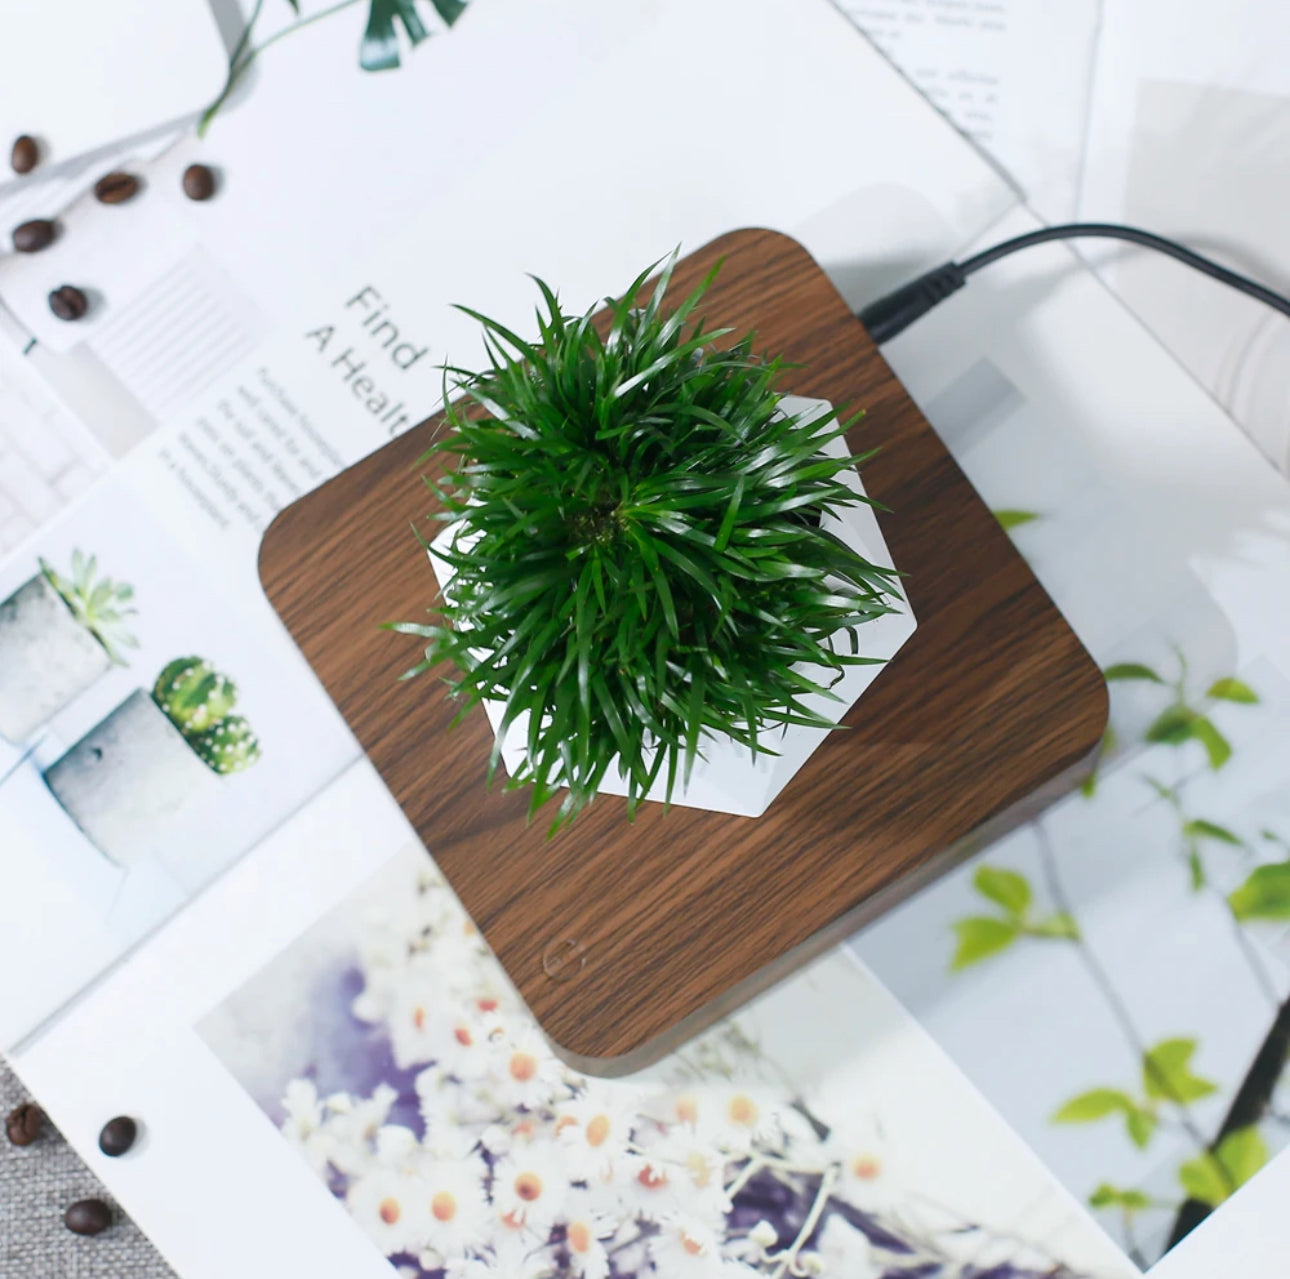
895	312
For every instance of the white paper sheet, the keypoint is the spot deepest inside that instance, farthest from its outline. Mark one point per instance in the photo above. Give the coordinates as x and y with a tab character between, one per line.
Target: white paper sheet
1188	136
1011	74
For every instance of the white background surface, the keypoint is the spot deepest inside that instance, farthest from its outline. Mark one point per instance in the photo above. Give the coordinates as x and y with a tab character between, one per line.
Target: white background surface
116	69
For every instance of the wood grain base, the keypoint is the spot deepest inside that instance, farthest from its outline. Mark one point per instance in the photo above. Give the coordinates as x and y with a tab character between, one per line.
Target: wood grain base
625	938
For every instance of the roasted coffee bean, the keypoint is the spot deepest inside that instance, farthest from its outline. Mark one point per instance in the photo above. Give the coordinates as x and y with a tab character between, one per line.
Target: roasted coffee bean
88	1217
199	182
118	1135
35	235
68	303
116	188
25	1124
25	155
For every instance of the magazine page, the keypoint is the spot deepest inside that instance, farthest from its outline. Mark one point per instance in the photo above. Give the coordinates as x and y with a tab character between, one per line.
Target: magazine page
1214	84
1113	976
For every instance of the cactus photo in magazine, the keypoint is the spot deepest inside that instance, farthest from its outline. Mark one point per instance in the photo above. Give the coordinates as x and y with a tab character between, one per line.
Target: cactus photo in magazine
154	756
151	733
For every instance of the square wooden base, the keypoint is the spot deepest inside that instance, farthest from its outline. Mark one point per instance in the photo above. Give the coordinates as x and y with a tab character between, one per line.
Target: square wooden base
626	938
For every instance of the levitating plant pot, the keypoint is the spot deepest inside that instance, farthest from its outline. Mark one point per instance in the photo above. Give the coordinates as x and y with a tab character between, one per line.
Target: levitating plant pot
129	777
47	658
626	937
727	779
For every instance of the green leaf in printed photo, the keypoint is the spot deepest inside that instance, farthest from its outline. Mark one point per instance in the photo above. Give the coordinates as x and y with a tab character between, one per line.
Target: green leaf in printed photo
1140	1120
980	936
1004	887
1167	1073
1167	1078
1265	895
1131	671
647	559
1108	1196
58	635
1011	518
1184	719
1231	689
1216	1175
100	604
153	757
380	47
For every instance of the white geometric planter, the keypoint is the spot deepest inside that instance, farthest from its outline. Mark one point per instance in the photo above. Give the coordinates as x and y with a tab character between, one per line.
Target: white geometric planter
727	780
128	777
47	658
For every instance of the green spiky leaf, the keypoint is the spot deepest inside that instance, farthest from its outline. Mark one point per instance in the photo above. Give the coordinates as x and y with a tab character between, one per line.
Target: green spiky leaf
639	560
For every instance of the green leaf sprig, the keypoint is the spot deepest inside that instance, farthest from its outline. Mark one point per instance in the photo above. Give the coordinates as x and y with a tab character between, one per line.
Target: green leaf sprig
980	936
1167	1076
638	555
1181	722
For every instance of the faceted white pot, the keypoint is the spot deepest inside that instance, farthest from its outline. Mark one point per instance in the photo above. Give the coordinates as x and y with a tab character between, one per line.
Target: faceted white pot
727	779
47	658
128	778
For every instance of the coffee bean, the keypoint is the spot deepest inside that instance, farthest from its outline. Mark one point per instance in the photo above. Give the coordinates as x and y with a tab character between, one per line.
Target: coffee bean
118	1136
199	182
35	235
88	1217
68	302
24	1124
25	155
116	188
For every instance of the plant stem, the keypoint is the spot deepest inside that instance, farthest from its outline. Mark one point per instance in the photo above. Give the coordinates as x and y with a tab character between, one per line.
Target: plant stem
751	1169
243	57
1261	975
1251	1103
1102	980
234	71
641	1234
1131	1245
788	1257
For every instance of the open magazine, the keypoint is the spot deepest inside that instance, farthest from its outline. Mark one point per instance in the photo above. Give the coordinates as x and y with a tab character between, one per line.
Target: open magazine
225	907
